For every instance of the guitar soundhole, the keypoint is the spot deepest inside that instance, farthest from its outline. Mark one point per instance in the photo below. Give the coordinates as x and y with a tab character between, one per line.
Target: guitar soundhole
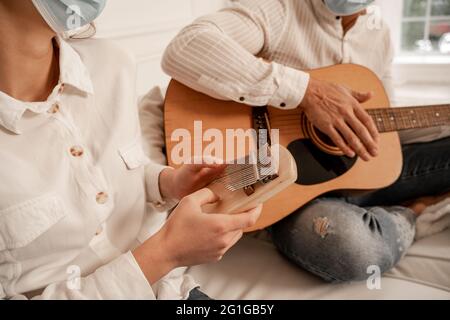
315	166
325	139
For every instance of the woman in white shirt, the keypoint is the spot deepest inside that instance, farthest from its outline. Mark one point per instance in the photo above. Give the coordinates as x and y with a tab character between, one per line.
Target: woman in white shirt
78	194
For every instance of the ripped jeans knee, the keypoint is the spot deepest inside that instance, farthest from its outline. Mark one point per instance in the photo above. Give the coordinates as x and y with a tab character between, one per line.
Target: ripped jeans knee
341	242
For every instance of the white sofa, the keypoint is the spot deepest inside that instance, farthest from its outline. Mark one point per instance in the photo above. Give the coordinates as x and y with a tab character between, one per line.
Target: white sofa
255	270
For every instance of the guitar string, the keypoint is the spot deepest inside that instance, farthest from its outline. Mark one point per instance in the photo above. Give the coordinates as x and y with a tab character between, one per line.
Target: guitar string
239	176
389	111
403	118
402	121
385	117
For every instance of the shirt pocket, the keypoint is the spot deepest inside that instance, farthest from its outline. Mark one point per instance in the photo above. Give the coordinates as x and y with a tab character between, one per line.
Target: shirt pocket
133	155
23	223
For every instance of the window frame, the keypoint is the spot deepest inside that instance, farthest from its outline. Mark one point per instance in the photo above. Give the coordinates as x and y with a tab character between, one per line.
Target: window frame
428	19
410	67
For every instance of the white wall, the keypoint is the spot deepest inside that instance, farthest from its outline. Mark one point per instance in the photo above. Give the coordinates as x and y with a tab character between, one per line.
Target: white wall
146	26
392	13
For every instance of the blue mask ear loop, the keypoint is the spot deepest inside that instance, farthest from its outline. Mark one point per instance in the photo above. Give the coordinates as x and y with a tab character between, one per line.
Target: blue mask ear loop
85	32
65	35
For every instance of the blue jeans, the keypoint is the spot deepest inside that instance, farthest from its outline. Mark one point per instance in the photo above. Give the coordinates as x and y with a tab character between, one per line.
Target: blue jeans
339	238
197	294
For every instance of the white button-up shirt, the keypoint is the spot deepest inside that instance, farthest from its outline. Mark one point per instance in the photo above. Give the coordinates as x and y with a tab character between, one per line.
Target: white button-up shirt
219	54
77	189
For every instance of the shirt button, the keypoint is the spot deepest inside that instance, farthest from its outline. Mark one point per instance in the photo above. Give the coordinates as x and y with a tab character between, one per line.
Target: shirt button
242	99
76	151
283	105
61	88
101	198
54	109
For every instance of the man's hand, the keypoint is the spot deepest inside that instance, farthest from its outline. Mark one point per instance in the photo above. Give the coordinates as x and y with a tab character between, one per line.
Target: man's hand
337	112
181	182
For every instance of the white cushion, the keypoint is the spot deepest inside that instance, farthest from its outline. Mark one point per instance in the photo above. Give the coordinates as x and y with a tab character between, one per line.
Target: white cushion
254	269
427	262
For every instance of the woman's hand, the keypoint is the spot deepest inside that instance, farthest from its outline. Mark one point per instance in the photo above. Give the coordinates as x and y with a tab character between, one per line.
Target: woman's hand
181	182
337	112
191	236
195	237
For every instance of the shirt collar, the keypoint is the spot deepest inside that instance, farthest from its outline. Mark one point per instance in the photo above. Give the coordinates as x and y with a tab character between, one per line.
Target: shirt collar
323	13
73	73
331	21
73	70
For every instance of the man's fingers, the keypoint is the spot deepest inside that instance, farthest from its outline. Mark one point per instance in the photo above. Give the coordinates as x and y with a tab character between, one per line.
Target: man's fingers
204	196
368	121
362	96
364	135
340	143
353	141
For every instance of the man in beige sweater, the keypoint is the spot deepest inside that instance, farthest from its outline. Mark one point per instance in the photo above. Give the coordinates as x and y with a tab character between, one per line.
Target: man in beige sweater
339	239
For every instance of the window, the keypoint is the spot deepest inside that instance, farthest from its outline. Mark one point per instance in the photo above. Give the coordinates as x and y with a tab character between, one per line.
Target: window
426	27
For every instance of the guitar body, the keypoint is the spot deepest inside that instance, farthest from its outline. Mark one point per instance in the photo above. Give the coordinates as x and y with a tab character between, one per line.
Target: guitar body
319	171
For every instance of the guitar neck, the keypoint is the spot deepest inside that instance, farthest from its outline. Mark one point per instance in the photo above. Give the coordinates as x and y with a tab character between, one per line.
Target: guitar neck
399	119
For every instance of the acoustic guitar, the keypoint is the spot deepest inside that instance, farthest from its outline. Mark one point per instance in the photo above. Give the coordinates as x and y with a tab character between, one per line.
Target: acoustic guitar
321	166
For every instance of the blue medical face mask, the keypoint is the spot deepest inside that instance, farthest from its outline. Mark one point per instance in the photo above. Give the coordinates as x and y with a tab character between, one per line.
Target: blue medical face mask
67	15
347	7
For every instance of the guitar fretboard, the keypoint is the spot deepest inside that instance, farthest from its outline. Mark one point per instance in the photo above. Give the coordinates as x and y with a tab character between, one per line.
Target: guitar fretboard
398	119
